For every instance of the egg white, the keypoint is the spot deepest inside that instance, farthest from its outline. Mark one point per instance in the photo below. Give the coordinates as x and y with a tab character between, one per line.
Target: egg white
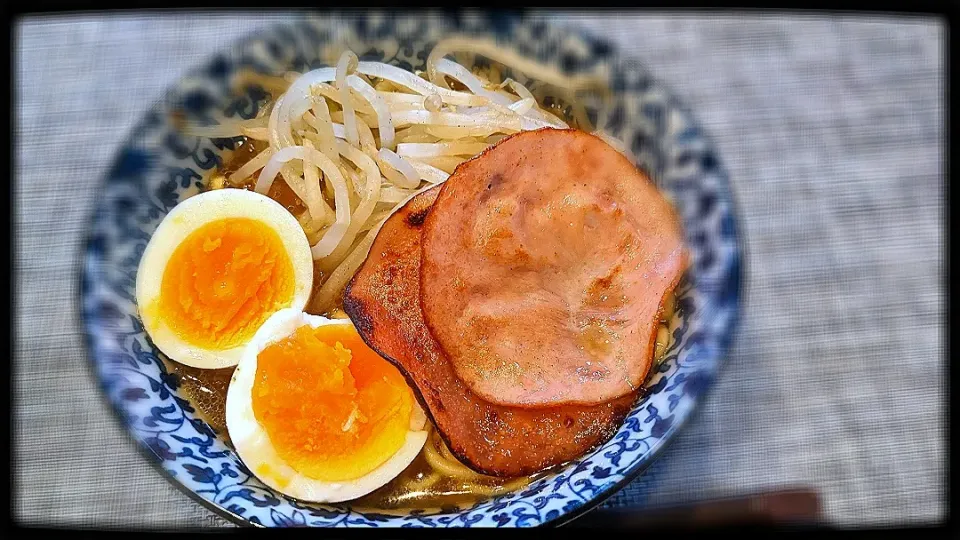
184	219
253	444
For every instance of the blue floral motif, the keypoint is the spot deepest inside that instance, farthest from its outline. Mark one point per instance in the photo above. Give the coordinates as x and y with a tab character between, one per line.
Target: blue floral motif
134	394
247	105
162	166
296	519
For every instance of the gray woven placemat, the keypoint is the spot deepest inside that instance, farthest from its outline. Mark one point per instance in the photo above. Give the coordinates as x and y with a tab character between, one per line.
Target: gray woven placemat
831	131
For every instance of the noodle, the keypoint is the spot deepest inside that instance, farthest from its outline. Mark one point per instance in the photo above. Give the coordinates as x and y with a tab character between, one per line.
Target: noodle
335	234
446	164
250	167
663	341
458	132
370	197
669	306
431	150
471	81
384	123
441	460
444	466
428	173
486	490
324	126
418	85
417	134
331	93
348	62
393	194
423	483
315	203
367	143
333	286
508	57
256	133
407	177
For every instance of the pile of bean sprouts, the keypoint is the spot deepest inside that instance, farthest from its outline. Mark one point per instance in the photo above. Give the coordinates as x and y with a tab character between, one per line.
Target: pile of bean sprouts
356	141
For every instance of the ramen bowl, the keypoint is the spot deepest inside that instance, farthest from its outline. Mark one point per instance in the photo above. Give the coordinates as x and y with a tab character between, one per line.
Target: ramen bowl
160	166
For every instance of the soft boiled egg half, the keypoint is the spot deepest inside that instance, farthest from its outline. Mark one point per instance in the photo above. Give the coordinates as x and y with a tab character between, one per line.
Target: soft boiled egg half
218	266
316	414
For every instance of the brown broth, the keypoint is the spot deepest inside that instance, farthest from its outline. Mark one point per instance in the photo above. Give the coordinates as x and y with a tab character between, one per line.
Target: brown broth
279	191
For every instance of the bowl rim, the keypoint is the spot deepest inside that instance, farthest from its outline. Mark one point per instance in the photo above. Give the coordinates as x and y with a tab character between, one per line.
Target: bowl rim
634	470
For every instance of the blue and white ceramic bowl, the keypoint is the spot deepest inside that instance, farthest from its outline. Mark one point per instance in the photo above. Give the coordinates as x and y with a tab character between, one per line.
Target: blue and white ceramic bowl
159	167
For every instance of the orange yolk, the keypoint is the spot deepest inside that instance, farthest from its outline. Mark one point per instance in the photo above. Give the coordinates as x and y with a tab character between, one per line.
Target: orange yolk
223	281
333	408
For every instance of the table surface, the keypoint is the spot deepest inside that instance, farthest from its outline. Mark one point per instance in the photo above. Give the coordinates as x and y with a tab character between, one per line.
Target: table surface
831	130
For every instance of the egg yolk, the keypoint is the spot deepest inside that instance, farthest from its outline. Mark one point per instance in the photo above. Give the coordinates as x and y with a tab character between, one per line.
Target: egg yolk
223	281
333	408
